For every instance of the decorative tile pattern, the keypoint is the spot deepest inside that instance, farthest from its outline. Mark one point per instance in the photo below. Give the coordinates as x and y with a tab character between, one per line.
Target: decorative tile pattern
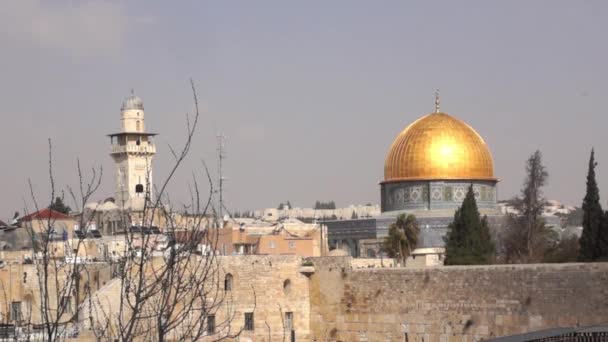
448	193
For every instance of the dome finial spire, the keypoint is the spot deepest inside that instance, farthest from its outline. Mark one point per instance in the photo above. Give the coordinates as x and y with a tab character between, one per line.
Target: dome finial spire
436	100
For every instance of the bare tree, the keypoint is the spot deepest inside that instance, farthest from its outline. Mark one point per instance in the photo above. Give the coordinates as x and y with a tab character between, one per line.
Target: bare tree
55	259
168	286
527	238
174	292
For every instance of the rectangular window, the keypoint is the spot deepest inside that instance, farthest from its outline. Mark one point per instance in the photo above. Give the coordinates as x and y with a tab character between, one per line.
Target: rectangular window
292	244
248	320
271	244
211	324
289	321
16	311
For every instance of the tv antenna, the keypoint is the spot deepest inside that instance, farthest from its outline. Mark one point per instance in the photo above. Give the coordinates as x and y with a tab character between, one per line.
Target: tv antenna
221	155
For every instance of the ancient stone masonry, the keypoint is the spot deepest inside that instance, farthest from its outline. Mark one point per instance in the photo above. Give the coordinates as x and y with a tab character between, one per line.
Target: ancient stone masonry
279	289
270	290
452	303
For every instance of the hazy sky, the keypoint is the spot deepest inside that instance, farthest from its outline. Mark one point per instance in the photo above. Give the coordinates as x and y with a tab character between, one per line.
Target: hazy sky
310	94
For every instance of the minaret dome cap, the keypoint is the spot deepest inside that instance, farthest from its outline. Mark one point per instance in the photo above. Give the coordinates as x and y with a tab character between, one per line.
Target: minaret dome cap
132	102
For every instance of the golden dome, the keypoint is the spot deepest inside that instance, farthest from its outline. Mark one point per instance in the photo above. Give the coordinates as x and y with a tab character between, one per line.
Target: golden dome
438	146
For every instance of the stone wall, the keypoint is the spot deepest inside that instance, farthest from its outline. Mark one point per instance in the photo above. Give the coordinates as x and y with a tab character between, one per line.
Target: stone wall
454	303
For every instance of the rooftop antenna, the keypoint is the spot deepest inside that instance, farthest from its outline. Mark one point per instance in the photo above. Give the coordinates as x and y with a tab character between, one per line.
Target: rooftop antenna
221	155
436	100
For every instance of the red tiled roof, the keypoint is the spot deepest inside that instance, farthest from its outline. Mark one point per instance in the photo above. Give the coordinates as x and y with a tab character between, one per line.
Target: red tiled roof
46	214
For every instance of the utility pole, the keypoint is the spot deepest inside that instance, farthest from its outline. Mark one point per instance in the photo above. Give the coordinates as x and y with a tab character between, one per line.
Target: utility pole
221	155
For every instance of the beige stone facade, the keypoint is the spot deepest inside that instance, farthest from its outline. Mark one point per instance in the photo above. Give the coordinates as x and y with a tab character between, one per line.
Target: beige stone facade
290	237
345	299
20	291
272	288
455	303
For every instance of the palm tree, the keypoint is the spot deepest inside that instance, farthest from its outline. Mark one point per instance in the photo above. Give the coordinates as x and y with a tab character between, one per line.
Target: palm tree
402	237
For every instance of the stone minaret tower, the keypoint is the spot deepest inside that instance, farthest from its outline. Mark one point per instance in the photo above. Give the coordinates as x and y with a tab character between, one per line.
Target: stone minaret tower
132	150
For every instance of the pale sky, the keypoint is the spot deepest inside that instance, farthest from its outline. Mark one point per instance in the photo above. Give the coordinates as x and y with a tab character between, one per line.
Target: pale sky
310	94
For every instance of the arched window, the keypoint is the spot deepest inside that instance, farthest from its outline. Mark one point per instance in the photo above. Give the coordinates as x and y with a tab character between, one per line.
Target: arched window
137	125
139	188
228	282
287	286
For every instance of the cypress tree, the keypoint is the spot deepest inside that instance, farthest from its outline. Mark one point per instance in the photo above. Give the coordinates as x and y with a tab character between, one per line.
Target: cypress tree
468	241
592	216
602	239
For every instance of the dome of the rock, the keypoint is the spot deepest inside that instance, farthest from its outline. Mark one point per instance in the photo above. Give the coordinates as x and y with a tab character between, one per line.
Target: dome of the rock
438	147
432	163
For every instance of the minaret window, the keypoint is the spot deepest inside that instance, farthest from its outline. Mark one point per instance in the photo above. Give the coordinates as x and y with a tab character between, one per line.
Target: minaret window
138	142
137	126
139	188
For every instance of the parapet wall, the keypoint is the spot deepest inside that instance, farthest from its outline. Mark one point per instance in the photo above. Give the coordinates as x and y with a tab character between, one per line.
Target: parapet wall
456	303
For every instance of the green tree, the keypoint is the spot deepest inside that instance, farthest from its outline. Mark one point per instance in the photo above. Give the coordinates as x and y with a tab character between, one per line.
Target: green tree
402	237
566	250
325	205
468	241
282	205
527	238
602	239
59	206
592	216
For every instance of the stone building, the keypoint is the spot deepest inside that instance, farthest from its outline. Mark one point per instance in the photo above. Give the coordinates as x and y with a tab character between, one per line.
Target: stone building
21	292
133	150
428	170
285	237
274	214
264	296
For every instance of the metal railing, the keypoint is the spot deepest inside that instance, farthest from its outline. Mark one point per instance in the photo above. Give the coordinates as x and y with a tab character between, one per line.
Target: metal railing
130	148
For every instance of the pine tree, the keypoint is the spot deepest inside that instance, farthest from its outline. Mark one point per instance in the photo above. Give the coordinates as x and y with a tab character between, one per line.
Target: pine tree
592	216
468	241
59	206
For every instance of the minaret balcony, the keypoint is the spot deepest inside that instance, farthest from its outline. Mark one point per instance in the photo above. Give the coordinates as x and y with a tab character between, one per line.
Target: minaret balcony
147	149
